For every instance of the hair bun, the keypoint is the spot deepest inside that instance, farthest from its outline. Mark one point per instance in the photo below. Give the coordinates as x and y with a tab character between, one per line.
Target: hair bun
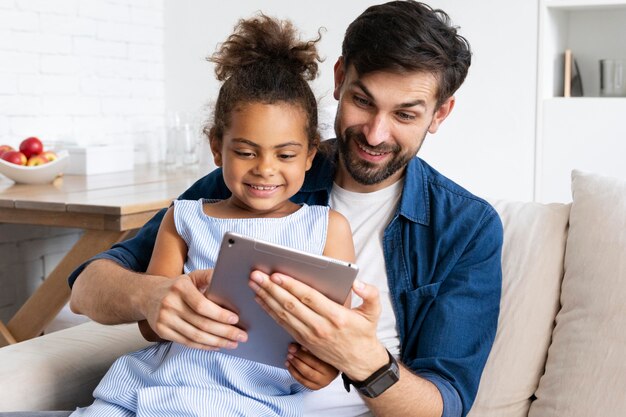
263	41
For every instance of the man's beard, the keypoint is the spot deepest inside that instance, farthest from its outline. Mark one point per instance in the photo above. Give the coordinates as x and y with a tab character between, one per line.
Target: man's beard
365	172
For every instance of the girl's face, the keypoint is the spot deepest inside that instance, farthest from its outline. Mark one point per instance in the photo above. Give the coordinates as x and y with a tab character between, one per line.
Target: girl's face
264	155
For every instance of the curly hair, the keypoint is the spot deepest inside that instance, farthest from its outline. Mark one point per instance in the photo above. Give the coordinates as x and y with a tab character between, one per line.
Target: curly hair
264	61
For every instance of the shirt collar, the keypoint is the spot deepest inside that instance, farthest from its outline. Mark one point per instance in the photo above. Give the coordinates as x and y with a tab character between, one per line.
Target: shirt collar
415	204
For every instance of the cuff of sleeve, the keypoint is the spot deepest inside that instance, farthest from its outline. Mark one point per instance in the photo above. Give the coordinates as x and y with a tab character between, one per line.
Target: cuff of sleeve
452	406
104	255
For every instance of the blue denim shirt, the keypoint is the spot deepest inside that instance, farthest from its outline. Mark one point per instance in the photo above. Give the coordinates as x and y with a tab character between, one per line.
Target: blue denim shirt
442	254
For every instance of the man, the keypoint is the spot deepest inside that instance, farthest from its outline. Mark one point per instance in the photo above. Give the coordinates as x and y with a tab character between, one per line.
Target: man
429	251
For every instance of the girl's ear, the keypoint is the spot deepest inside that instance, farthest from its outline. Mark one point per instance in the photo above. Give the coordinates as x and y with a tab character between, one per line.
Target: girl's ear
309	158
216	149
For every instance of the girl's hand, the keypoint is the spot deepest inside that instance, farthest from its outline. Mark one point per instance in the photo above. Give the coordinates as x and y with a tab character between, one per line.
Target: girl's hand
307	369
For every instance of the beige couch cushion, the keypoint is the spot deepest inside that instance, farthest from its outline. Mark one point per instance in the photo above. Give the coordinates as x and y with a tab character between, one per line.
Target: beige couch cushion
586	368
59	371
532	266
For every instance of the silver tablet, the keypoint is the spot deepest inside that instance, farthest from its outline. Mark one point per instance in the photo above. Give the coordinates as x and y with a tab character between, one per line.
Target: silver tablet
238	256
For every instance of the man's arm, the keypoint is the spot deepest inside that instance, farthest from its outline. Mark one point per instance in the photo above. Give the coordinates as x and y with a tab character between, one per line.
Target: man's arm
345	338
176	308
410	396
110	294
450	353
107	289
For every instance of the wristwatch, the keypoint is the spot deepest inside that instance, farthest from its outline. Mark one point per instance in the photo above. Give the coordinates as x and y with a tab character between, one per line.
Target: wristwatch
378	382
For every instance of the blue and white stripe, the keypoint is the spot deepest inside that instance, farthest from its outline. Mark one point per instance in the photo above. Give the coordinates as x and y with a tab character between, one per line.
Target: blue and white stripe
305	230
169	379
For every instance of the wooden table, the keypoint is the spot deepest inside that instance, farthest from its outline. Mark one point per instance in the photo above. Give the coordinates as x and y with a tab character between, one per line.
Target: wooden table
107	206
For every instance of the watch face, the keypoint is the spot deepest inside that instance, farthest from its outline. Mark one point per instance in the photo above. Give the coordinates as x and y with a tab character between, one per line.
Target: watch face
378	382
381	384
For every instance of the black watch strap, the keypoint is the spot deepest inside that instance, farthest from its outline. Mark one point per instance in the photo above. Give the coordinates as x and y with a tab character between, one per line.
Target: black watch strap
378	382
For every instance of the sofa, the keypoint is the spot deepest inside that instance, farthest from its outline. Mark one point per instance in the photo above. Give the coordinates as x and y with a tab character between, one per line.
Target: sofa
560	348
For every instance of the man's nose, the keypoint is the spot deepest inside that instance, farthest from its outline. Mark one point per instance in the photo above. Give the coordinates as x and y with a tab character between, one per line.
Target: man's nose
376	131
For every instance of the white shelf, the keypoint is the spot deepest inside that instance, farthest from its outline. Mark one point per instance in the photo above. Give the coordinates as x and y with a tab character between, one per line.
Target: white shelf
590	103
591	33
584	4
587	133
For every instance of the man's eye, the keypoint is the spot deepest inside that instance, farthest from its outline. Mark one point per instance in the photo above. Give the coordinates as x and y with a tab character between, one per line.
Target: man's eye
360	101
405	116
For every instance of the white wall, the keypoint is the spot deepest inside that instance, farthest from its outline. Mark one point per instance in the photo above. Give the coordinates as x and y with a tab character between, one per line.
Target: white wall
107	71
84	71
486	145
488	142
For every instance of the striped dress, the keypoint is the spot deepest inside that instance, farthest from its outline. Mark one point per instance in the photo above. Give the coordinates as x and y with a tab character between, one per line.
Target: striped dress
169	379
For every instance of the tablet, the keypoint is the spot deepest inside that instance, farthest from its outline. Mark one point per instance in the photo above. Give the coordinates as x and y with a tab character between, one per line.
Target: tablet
238	256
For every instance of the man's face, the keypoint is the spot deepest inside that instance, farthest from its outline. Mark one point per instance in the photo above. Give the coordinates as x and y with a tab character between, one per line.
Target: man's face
382	120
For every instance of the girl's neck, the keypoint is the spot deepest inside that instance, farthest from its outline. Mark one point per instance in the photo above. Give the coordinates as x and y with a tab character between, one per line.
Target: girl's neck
234	209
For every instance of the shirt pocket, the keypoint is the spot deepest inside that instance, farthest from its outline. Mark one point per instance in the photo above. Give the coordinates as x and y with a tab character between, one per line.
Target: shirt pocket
418	303
425	291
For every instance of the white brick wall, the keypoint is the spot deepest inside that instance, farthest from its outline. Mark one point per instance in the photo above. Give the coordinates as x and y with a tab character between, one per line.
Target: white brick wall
82	71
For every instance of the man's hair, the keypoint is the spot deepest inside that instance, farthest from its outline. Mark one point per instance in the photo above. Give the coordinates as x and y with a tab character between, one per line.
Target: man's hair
408	36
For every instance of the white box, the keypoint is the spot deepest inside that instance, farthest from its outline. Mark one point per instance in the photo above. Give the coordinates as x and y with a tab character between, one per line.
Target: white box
100	159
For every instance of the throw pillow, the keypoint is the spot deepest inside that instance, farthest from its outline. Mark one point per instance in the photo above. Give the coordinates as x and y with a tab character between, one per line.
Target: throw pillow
532	269
586	367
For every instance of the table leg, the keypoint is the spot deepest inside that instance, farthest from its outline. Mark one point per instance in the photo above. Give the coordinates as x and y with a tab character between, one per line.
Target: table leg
5	335
50	297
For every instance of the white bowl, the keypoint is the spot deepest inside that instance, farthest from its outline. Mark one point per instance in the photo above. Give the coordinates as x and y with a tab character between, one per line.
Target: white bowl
40	174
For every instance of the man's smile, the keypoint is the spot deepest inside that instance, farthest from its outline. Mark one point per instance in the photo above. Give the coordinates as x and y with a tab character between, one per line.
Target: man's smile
369	151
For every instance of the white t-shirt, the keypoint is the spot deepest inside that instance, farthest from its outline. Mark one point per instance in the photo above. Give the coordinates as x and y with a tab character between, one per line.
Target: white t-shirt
368	215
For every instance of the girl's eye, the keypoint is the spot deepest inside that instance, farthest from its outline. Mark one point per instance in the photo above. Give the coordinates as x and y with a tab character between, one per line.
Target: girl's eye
286	156
244	154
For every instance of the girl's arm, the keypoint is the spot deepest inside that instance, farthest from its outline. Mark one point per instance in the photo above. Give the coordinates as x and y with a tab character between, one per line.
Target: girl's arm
170	250
303	365
168	258
339	244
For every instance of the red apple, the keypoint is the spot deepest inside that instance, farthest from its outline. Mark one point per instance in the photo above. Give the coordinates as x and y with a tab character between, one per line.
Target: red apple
35	160
49	155
5	148
31	146
15	157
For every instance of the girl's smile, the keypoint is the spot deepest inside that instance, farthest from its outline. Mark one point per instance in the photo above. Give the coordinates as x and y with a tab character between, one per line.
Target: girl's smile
264	154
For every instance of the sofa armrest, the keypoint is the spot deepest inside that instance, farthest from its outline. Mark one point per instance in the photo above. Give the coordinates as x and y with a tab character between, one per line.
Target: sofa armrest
60	370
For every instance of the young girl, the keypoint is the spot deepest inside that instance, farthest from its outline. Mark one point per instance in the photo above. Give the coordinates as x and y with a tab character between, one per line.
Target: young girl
264	136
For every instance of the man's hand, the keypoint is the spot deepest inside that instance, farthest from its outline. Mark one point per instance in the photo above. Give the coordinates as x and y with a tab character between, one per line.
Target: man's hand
346	339
308	370
342	337
178	310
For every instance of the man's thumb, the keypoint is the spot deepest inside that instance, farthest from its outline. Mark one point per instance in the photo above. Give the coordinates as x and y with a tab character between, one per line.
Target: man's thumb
371	303
201	278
